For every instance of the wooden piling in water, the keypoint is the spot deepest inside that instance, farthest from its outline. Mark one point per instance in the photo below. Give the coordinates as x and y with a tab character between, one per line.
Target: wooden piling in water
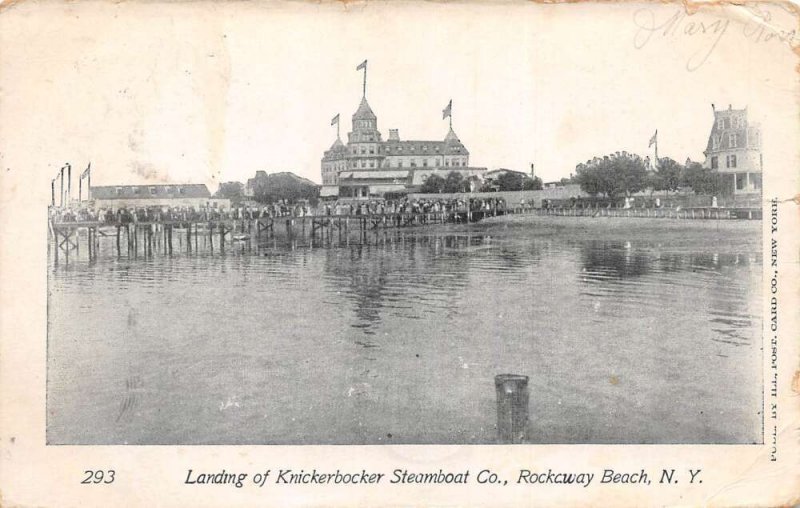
512	408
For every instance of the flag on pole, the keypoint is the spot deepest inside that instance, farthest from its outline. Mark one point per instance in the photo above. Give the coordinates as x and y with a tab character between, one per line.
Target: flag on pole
448	110
86	171
654	139
362	65
335	120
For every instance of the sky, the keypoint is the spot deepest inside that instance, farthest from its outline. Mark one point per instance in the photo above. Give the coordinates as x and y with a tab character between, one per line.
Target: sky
205	93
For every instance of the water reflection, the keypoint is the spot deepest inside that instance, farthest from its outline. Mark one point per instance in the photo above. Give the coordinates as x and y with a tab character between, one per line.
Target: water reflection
368	325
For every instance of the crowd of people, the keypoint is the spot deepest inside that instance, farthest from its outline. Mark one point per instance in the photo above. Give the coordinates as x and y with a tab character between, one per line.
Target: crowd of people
278	209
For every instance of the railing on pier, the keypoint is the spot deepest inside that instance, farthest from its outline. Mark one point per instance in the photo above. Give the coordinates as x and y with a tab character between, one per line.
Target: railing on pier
138	236
141	235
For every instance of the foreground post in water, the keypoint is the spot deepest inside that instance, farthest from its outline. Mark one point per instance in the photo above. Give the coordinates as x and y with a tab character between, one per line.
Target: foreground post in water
512	408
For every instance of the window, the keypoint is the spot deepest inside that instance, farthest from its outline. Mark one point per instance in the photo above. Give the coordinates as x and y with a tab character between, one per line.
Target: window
153	190
413	164
447	163
412	148
363	150
714	162
715	141
400	164
726	123
181	190
424	148
136	190
755	179
372	150
730	161
363	164
119	191
741	178
399	148
733	139
425	163
719	124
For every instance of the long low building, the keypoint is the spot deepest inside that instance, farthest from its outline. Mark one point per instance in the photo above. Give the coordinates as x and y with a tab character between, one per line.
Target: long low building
193	195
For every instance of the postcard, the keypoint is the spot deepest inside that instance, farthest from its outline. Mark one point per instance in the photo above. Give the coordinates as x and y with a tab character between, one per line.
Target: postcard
399	254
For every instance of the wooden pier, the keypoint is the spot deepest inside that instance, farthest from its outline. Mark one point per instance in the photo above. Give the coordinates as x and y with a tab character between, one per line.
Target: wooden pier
138	238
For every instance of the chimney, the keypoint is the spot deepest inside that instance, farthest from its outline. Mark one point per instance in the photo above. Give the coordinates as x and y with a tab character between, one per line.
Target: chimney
533	173
394	135
713	108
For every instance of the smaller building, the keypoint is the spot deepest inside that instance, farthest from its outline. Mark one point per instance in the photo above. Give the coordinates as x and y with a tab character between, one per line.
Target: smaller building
194	196
734	150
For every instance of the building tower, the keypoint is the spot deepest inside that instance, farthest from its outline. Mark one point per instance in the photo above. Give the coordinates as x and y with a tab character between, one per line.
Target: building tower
334	160
734	150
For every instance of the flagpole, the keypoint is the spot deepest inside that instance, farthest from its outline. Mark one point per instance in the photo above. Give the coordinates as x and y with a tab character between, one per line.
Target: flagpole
451	114
656	154
364	90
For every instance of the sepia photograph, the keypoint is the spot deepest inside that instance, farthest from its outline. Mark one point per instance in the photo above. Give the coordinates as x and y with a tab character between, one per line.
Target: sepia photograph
351	260
364	253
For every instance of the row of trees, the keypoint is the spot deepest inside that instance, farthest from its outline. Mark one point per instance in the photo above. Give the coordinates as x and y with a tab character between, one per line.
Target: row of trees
625	174
455	182
271	188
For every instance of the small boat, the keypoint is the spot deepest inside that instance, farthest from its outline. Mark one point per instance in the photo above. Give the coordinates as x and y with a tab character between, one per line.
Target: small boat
240	238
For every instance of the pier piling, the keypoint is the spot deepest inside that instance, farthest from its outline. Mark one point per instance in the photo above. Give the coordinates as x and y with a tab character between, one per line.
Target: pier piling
512	408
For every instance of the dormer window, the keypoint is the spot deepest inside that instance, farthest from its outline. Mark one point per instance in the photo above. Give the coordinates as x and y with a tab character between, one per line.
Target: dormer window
119	191
733	139
715	142
153	190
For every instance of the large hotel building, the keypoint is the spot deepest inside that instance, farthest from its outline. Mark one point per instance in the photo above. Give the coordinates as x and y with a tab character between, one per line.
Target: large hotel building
369	166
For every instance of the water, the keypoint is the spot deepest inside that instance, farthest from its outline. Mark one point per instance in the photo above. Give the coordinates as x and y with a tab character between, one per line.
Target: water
631	330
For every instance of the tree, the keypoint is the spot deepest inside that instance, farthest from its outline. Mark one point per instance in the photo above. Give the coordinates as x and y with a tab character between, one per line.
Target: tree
668	175
433	185
284	185
702	180
612	176
532	183
454	182
231	190
509	181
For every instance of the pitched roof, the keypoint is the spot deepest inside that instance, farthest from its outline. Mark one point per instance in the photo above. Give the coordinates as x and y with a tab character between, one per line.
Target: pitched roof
373	175
451	137
364	112
159	191
424	148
